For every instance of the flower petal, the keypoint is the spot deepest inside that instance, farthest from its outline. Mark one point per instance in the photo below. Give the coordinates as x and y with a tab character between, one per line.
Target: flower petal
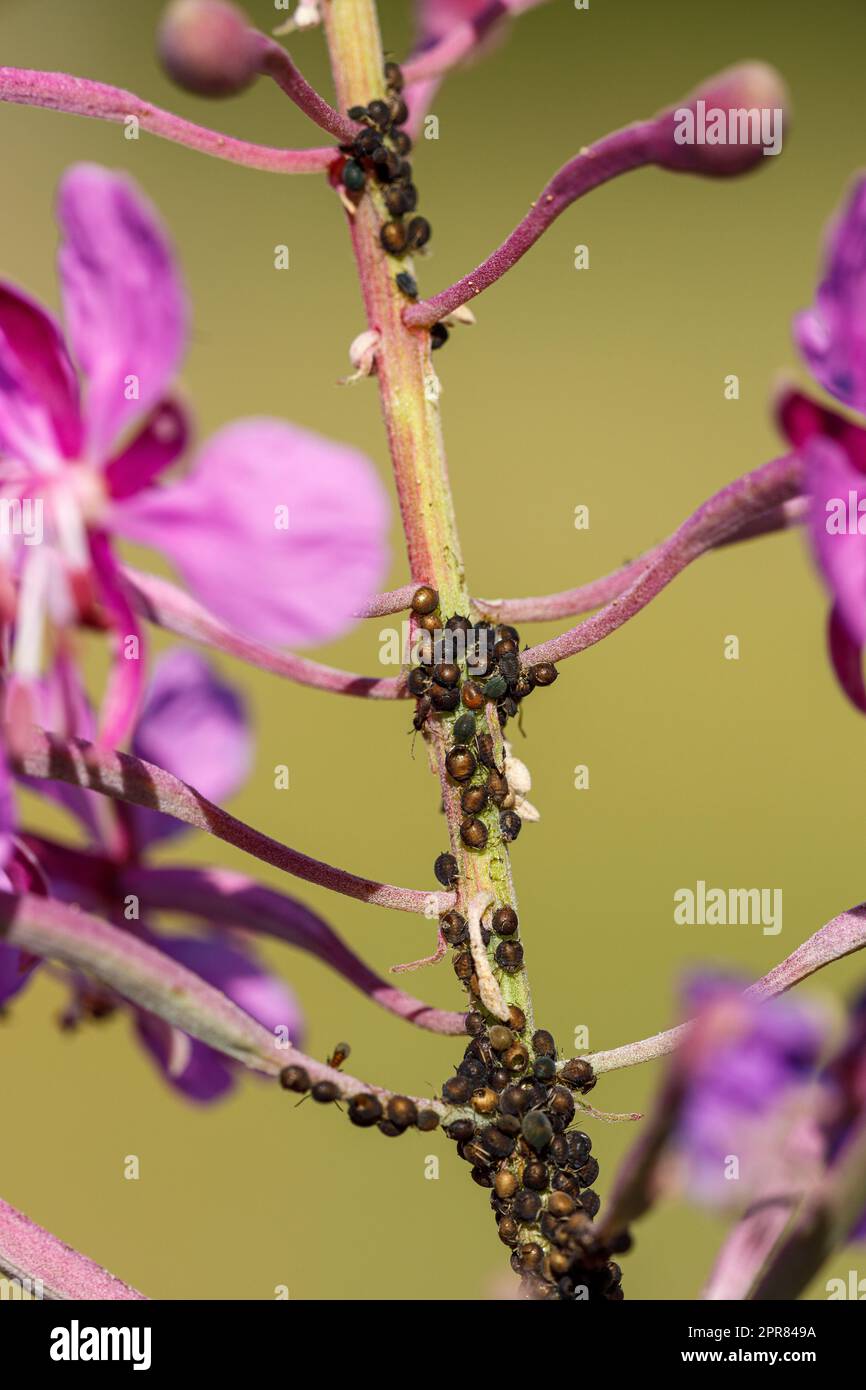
832	335
124	303
837	490
194	725
39	416
126	677
846	658
159	443
276	530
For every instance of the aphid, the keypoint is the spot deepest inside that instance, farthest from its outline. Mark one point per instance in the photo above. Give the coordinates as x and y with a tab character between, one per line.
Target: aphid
366	143
407	284
506	709
427	1120
393	77
504	923
588	1172
473	832
438	336
509	665
418	233
506	633
457	623
295	1079
339	1055
429	622
508	1230
455	929
495	687
497	787
460	763
509	955
418	680
535	1175
509	1124
393	237
395	198
461	1131
577	1073
473	1069
447	673
545	673
498	1079
559	1150
464	966
472	695
544	1069
505	1185
560	1263
423	708
410	193
560	1103
445	869
357	113
379	113
484	1101
325	1092
542	1043
399	111
516	1058
365	1110
425	600
402	1111
473	799
563	1181
498	1144
531	1255
590	1201
516	1018
505	644
402	142
353	176
444	699
579	1147
388	1127
457	1090
526	1205
522	687
464	728
386	164
500	1037
510	824
537	1130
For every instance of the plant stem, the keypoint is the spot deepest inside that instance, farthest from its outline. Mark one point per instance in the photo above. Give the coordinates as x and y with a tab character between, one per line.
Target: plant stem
409	392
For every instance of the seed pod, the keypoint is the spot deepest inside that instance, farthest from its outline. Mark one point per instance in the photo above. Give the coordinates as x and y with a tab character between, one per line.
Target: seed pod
505	1184
393	238
537	1130
445	869
576	1073
473	832
473	799
509	955
516	1058
497	1143
460	763
295	1079
365	1110
544	1069
472	694
455	929
543	1044
325	1092
545	673
425	600
427	1120
407	284
447	673
526	1205
535	1175
516	1018
464	966
464	728
439	334
510	824
353	176
209	47
402	1111
418	233
444	700
495	687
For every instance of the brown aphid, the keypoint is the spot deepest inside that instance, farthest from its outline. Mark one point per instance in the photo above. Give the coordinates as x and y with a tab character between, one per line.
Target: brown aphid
365	1110
516	1058
472	695
486	750
500	1037
461	1131
531	1255
457	1090
429	622
427	1120
559	1262
588	1172
446	871
395	199
455	929
508	1230
509	1124
590	1201
393	238
460	763
564	1181
509	954
485	1101
422	710
473	800
505	1185
535	1175
510	824
526	1205
576	1073
402	1111
517	1018
443	699
464	966
498	1079
505	644
473	832
393	77
560	1103
504	921
559	1204
474	1023
340	1053
295	1079
417	233
418	681
514	1100
545	673
497	787
543	1044
447	673
389	1128
325	1092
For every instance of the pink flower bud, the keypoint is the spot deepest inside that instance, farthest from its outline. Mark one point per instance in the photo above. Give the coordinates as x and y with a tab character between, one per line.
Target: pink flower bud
209	47
729	125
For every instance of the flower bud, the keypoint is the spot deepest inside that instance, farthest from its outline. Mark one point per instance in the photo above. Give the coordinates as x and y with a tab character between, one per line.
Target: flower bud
727	126
209	47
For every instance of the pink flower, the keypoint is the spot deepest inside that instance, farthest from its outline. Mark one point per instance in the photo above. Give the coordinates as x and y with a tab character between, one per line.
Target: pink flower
276	530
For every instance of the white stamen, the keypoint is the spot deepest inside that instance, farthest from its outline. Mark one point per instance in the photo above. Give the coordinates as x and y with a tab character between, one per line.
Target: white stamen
30	618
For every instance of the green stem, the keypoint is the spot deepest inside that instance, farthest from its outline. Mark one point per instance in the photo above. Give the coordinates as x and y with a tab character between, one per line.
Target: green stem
408	389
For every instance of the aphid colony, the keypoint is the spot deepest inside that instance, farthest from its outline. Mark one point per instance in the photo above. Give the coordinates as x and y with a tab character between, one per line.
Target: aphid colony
380	151
492	655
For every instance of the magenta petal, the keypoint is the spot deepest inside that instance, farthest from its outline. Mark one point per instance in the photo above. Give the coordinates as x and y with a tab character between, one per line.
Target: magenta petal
224	527
832	335
207	1075
846	657
159	443
836	490
193	725
124	303
126	677
38	387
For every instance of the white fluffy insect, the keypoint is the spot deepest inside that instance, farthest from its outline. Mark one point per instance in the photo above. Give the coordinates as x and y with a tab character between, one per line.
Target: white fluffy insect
519	783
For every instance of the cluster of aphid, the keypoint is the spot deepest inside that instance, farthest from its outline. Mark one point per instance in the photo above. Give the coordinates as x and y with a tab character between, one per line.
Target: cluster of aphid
380	151
515	1131
492	656
394	1117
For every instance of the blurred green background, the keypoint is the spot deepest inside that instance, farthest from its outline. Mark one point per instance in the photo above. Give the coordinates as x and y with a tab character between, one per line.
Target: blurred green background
601	387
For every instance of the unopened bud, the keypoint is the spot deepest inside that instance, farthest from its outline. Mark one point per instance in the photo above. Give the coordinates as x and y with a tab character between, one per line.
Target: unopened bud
209	47
727	126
